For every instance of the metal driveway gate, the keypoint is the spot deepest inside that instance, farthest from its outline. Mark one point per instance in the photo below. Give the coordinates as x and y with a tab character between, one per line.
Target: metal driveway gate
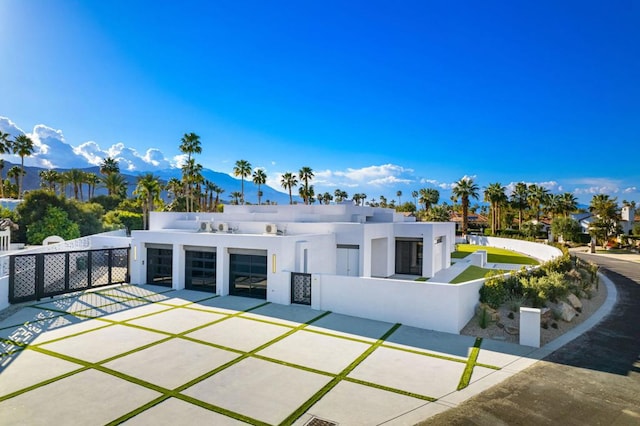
38	275
301	288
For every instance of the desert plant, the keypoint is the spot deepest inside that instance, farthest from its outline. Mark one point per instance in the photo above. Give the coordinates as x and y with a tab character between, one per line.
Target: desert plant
493	292
484	318
515	301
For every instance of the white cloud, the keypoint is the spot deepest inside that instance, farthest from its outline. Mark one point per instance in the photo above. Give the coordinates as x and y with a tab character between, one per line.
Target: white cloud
51	150
630	190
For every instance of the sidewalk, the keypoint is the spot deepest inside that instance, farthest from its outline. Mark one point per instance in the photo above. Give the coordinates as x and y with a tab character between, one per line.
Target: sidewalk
142	354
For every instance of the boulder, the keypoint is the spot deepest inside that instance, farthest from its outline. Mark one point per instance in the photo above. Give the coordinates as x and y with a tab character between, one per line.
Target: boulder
566	312
546	316
574	301
492	313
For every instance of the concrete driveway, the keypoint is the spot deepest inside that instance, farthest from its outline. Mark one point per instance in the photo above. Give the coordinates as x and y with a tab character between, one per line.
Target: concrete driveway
149	355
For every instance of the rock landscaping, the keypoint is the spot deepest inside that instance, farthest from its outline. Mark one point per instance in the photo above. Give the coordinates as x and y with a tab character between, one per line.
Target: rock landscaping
566	289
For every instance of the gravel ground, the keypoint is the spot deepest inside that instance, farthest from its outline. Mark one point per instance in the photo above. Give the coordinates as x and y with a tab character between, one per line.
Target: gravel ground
507	333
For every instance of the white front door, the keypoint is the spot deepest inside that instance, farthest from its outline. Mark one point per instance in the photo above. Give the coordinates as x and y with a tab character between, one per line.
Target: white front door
348	260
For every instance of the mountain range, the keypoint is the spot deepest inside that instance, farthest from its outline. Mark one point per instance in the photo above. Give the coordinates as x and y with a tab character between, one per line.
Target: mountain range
223	180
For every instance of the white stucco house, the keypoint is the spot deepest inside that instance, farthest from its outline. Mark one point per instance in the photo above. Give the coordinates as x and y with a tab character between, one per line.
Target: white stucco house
626	222
253	250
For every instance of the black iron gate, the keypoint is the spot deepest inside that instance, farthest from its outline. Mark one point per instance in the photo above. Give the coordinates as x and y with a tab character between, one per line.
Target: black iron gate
38	275
301	288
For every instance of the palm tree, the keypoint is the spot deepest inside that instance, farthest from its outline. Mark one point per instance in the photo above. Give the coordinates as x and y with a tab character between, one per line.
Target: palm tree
189	144
5	147
307	194
568	203
1	178
326	198
607	215
414	195
305	174
289	181
429	197
519	197
23	146
15	172
537	195
242	169
109	166
340	195
236	197
399	194
191	175
148	192
116	185
496	195
48	179
464	189
218	191
92	180
259	178
76	178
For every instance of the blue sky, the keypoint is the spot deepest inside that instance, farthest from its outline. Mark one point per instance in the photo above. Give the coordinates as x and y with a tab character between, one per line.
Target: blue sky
374	96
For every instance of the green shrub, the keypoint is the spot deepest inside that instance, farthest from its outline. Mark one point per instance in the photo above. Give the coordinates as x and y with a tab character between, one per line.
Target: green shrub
548	287
493	292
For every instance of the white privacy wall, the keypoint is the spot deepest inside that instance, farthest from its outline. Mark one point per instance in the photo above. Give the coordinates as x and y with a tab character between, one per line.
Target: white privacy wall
434	306
539	251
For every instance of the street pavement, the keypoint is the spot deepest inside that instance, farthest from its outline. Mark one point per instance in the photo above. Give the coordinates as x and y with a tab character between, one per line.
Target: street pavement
593	380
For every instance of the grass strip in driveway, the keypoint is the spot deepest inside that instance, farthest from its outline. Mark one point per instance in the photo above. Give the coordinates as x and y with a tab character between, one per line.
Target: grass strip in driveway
341	376
471	362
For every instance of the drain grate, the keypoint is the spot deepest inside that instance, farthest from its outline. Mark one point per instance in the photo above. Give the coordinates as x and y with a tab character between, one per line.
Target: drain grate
317	421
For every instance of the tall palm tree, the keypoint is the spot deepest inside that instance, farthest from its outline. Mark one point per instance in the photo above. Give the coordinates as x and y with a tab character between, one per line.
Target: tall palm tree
23	146
148	192
519	200
15	172
464	189
259	178
191	175
242	169
189	144
305	174
109	166
537	196
399	194
92	180
211	189
414	195
1	178
289	181
5	147
496	195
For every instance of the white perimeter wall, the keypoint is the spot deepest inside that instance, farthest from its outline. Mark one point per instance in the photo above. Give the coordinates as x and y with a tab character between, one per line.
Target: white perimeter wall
540	251
429	305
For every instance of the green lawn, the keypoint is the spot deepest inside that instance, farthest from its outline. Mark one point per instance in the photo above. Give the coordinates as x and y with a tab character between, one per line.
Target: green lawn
471	273
494	255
